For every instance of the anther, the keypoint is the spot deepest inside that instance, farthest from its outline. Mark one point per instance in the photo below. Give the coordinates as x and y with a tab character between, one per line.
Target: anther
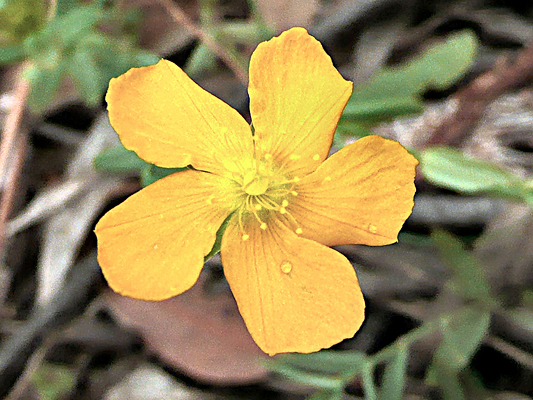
282	210
263	226
294	193
296	179
299	231
294	157
245	237
284	203
316	157
258	207
268	156
327	178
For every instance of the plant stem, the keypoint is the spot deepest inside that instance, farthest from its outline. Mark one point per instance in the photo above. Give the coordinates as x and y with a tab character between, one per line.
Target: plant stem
224	54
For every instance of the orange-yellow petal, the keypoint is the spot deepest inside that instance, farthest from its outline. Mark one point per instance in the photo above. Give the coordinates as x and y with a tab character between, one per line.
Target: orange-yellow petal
360	195
170	121
294	294
296	99
152	246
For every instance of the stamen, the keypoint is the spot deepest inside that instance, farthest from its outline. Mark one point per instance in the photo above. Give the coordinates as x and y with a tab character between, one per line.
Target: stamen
258	207
284	203
283	210
268	156
263	226
245	237
316	157
327	178
298	231
294	193
294	157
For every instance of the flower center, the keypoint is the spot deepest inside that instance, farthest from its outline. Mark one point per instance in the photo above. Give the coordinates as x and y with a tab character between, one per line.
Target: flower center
255	184
265	193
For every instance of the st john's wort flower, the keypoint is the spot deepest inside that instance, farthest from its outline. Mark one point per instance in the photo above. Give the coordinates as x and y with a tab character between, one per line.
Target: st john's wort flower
285	200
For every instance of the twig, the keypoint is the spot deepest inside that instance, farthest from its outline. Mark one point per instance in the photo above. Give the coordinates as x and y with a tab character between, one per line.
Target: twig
13	145
474	98
519	355
182	18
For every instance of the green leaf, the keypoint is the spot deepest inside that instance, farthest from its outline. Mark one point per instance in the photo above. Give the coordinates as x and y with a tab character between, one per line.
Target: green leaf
326	361
11	54
448	381
523	317
53	381
151	173
119	159
394	375
201	60
397	90
368	382
451	169
327	395
79	19
86	74
64	6
468	277
320	381
44	86
462	333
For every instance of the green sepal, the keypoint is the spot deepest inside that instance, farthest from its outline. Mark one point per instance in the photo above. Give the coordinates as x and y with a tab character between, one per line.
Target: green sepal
218	240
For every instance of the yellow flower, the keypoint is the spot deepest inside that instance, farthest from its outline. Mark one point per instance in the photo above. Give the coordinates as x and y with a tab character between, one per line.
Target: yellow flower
285	202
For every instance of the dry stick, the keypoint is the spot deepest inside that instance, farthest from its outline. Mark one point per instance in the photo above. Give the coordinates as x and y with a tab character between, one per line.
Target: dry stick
181	17
13	145
473	99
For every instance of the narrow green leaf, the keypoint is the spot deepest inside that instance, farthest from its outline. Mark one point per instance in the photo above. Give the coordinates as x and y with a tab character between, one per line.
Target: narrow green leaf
243	32
64	6
319	381
523	317
151	173
462	335
327	395
468	277
119	159
11	54
448	382
369	386
79	19
394	375
397	90
452	169
44	86
201	60
326	361
86	74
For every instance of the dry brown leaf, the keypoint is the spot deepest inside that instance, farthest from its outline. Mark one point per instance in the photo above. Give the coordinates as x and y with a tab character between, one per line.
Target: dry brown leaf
284	14
199	333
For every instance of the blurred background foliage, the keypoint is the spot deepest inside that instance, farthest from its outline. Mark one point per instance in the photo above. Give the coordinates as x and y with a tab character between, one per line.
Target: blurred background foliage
450	307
